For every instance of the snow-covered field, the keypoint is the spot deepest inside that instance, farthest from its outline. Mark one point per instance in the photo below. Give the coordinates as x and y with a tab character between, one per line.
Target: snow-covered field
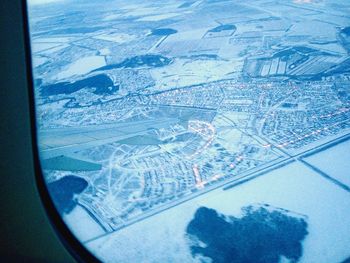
38	47
191	72
117	37
161	238
82	66
79	221
334	162
158	17
37	61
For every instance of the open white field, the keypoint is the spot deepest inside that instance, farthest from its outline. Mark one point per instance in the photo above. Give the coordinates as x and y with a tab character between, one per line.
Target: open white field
116	37
82	66
161	238
79	221
158	17
190	72
334	162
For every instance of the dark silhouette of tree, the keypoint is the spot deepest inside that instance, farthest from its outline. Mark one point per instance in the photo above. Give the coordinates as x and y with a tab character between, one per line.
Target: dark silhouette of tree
63	190
261	235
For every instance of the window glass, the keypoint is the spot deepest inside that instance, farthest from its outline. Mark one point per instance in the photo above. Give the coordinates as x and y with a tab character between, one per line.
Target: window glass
196	130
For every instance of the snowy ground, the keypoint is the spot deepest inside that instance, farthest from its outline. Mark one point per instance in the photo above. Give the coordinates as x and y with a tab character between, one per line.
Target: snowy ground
161	238
191	72
117	37
79	220
334	162
158	17
82	66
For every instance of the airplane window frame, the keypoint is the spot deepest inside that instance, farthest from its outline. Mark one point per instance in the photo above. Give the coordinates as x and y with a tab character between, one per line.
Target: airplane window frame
69	240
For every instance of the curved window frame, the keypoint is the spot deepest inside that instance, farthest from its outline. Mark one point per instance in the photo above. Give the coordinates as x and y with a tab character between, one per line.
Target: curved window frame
69	240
